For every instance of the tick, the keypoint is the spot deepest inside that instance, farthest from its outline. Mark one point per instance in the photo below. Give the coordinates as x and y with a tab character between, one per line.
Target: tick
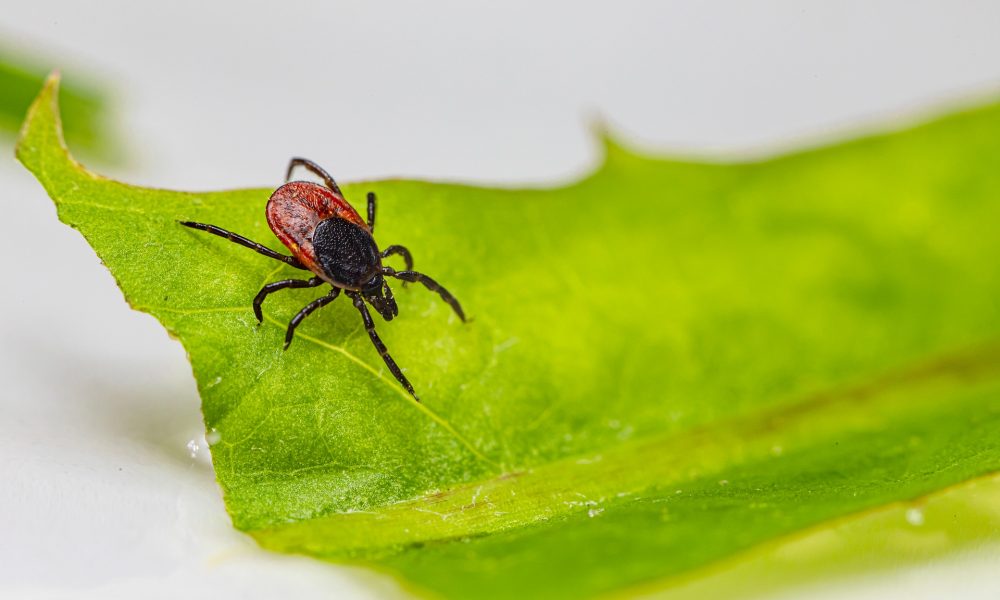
328	237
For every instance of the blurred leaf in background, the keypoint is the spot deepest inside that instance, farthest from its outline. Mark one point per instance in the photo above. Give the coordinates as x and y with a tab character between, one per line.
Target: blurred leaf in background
84	109
668	362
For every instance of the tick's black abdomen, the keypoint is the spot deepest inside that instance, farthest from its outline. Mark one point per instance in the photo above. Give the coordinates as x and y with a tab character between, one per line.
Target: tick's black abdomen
346	252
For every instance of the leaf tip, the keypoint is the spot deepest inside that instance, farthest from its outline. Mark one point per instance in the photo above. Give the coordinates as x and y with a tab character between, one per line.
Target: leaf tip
41	146
608	140
597	123
45	104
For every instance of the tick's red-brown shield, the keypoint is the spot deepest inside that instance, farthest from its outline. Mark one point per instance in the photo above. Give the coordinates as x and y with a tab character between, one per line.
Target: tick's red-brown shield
295	209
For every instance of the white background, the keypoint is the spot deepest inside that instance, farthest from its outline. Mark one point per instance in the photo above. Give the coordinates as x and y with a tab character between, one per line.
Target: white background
99	497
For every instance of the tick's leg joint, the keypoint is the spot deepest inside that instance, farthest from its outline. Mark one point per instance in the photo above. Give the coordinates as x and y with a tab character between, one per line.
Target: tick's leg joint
315	304
316	170
280	285
401	251
429	284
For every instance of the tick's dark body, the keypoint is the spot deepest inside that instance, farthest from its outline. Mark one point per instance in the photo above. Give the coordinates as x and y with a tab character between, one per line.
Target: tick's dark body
328	237
345	252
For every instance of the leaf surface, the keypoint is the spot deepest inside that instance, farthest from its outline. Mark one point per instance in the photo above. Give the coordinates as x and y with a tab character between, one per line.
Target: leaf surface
668	362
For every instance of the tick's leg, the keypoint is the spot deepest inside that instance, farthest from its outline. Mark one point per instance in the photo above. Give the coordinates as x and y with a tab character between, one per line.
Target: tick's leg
317	303
429	284
242	241
389	299
359	303
371	211
280	285
402	251
316	169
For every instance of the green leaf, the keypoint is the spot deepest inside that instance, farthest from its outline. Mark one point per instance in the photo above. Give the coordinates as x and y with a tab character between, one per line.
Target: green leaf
963	518
668	362
82	107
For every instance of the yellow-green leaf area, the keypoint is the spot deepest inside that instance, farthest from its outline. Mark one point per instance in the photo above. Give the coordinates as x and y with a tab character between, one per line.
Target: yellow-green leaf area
667	363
